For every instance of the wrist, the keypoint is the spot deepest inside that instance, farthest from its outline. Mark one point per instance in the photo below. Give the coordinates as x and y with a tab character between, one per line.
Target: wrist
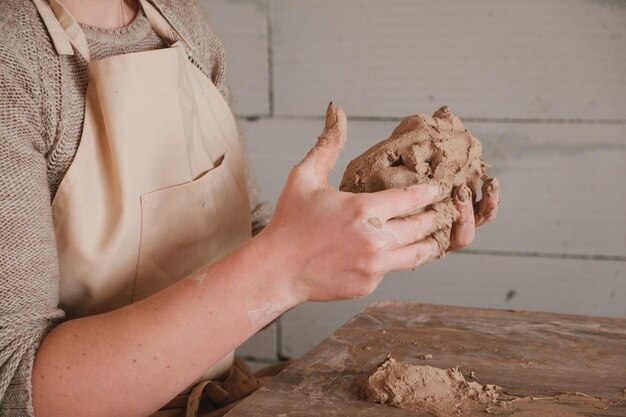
273	263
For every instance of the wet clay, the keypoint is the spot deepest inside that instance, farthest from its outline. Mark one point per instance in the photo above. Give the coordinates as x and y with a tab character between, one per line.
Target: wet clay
423	149
442	392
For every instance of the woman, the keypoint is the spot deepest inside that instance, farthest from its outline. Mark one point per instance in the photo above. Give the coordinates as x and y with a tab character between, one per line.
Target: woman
128	271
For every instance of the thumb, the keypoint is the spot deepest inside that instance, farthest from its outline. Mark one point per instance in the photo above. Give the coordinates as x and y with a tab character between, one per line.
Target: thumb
323	156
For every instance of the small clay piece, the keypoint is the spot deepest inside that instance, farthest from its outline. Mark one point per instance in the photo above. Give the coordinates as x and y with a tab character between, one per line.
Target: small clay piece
423	149
425	388
425	357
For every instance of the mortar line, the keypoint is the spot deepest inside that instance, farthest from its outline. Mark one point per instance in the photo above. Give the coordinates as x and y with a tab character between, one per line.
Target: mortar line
253	118
279	339
270	57
612	258
253	358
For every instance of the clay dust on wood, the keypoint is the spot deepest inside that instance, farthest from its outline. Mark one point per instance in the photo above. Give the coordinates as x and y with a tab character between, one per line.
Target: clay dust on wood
446	392
442	392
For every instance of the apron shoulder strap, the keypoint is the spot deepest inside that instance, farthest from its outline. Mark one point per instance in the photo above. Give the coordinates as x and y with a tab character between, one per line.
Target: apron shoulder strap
63	28
161	24
65	31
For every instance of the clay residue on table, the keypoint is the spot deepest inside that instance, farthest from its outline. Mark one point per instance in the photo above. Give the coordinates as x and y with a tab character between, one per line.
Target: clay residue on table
446	392
541	360
424	149
562	405
439	391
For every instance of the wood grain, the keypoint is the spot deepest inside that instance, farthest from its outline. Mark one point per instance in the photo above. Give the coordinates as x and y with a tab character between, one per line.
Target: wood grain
527	354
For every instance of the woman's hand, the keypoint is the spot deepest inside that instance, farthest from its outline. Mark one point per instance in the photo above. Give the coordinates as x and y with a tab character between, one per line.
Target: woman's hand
334	245
471	213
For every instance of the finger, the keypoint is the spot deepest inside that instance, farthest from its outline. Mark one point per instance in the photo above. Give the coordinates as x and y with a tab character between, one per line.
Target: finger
399	202
487	208
442	237
323	156
411	229
464	229
412	256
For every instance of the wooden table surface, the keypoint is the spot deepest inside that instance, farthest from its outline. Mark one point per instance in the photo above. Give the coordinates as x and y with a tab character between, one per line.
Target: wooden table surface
527	354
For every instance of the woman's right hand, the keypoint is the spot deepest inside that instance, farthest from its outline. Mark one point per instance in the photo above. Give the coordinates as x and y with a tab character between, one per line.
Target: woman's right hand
331	245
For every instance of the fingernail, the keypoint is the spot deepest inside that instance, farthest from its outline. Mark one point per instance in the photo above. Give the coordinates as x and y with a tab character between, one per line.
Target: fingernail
491	186
331	116
463	193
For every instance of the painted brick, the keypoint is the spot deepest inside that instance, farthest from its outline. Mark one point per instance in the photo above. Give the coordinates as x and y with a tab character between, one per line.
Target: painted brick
261	346
563	192
256	365
242	26
534	59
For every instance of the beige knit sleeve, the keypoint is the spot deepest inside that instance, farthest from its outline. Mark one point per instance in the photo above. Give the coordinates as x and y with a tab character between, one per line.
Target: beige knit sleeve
28	255
209	54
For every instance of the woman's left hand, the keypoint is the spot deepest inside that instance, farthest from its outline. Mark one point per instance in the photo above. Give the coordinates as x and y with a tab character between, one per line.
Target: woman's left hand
473	214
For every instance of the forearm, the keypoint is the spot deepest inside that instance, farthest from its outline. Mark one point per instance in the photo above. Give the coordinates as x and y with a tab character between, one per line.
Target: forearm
321	245
130	361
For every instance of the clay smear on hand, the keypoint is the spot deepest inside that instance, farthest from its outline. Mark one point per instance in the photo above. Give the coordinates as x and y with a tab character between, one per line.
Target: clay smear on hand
442	392
422	149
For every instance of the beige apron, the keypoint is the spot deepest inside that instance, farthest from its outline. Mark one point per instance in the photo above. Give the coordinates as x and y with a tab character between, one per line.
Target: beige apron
157	188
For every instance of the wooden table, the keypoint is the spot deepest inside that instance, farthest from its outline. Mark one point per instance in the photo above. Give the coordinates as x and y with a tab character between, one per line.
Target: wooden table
527	354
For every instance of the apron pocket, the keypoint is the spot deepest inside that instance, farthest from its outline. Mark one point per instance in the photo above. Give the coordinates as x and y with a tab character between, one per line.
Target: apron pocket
187	226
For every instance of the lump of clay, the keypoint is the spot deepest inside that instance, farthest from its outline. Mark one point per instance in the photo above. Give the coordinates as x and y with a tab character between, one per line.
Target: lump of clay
422	149
425	388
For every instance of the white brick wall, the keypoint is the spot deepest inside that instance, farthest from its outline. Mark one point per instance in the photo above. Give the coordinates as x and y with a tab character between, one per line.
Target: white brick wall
242	26
541	83
545	59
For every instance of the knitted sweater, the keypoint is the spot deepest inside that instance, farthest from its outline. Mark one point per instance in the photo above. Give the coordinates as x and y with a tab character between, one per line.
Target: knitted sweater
42	106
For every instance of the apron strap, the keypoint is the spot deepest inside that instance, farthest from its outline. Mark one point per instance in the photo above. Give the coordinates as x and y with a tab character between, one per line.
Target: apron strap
161	24
63	28
65	31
